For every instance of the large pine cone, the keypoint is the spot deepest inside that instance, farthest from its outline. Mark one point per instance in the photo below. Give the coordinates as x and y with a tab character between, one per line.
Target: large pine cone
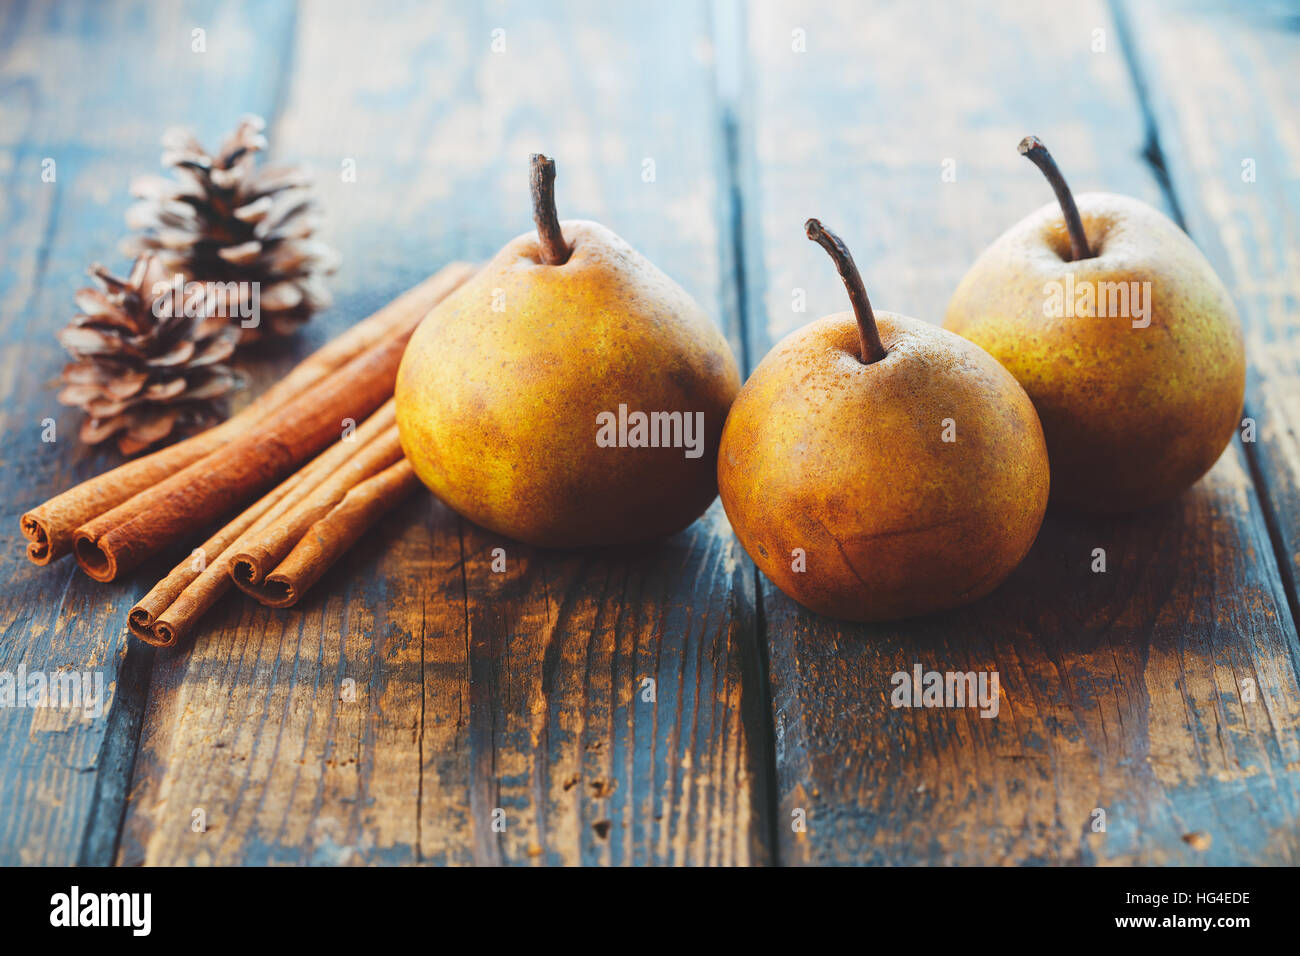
223	221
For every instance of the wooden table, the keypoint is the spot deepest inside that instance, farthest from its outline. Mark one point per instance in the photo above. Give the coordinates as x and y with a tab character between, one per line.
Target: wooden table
507	718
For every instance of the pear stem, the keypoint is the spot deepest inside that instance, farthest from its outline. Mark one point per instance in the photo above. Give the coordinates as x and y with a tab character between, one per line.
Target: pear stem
873	350
555	251
1033	147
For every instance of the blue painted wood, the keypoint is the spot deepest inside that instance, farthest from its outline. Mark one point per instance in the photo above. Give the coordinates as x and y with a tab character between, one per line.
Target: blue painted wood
1230	147
479	691
90	87
1122	692
416	691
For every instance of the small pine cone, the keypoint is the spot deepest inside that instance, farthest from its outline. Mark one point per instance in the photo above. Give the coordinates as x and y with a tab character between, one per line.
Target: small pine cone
239	228
143	369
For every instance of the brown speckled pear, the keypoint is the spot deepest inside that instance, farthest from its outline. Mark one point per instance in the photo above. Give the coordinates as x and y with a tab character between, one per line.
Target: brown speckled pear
501	390
835	451
1137	400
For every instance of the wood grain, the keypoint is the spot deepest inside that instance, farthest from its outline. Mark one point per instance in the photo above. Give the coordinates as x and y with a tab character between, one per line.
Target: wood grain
417	691
481	696
1229	140
90	87
1120	691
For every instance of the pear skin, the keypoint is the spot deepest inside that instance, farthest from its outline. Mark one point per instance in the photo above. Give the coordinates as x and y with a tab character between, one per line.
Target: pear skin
838	480
500	389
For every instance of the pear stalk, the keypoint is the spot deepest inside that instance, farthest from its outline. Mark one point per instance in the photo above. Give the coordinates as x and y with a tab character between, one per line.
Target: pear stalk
555	251
1033	148
872	349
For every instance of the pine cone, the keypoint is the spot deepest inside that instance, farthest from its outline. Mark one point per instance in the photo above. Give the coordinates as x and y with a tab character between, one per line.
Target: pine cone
143	370
224	221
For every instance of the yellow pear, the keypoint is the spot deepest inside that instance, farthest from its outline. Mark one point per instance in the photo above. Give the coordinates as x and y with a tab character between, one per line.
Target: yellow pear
1123	336
570	393
876	467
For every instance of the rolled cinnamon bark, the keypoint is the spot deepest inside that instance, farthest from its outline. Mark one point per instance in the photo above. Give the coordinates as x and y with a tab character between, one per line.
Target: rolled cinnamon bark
214	486
51	527
269	546
171	609
327	539
164	595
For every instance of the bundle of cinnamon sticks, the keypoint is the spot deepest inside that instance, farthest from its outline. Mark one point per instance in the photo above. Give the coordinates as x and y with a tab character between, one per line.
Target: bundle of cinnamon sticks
319	480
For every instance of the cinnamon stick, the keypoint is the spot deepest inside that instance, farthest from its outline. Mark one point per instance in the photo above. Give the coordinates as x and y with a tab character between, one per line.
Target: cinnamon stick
274	542
173	509
50	528
328	538
174	605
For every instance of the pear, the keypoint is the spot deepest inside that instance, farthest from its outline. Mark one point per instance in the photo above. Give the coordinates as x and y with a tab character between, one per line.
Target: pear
875	466
569	394
1123	336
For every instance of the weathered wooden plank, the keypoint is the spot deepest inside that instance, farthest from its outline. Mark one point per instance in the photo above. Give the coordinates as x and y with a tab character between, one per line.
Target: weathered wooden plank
1230	144
89	87
1120	691
478	691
